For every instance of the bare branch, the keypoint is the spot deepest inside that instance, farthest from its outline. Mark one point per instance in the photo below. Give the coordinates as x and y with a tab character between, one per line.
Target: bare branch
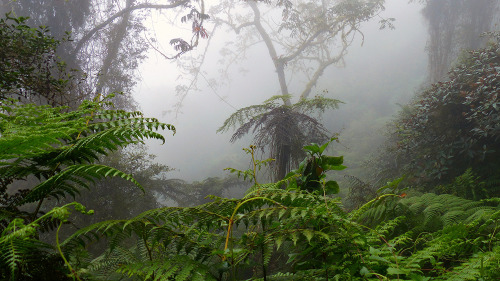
279	64
237	29
121	13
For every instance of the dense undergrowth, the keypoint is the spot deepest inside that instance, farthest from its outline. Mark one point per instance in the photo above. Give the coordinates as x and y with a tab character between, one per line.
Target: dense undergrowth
294	229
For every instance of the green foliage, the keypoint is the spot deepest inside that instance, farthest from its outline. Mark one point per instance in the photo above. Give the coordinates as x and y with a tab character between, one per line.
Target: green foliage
282	129
311	174
300	233
273	233
29	68
359	193
20	247
452	126
292	229
59	148
257	166
193	235
467	185
442	237
268	223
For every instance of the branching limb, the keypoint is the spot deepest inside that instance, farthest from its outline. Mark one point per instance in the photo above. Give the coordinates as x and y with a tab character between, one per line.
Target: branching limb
121	13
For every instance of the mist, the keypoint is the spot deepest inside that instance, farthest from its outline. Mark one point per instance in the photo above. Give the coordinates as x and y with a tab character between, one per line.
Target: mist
313	140
380	72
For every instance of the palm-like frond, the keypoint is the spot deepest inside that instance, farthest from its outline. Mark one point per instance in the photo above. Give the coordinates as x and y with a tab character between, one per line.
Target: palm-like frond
282	130
60	148
68	181
56	145
241	116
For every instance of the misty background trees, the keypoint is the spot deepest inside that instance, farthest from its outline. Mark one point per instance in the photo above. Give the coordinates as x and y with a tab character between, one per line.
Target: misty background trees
297	48
234	43
454	26
108	39
270	65
310	37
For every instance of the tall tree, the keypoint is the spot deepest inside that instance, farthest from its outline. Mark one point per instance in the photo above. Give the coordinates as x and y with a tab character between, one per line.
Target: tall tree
455	25
107	45
302	39
108	38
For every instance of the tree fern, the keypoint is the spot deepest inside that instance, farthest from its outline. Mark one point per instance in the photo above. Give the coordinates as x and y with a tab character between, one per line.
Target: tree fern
282	129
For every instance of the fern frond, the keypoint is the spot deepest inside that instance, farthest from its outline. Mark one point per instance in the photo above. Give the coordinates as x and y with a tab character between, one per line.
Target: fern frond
317	103
90	148
243	115
481	266
73	178
18	246
432	212
176	268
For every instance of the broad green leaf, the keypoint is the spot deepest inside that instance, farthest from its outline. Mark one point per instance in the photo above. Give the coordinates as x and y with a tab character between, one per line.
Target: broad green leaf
331	187
313	148
377	258
324	146
334	168
331	160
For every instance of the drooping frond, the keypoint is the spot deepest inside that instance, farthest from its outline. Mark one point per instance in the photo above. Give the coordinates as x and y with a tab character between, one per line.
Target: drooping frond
282	130
316	104
245	114
47	142
71	179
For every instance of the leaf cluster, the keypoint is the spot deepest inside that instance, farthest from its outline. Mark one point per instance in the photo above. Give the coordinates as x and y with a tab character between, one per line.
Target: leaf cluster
59	148
438	237
311	174
29	67
453	125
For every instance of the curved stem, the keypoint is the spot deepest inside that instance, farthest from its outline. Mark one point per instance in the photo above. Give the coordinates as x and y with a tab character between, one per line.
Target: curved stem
231	219
252	147
73	272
